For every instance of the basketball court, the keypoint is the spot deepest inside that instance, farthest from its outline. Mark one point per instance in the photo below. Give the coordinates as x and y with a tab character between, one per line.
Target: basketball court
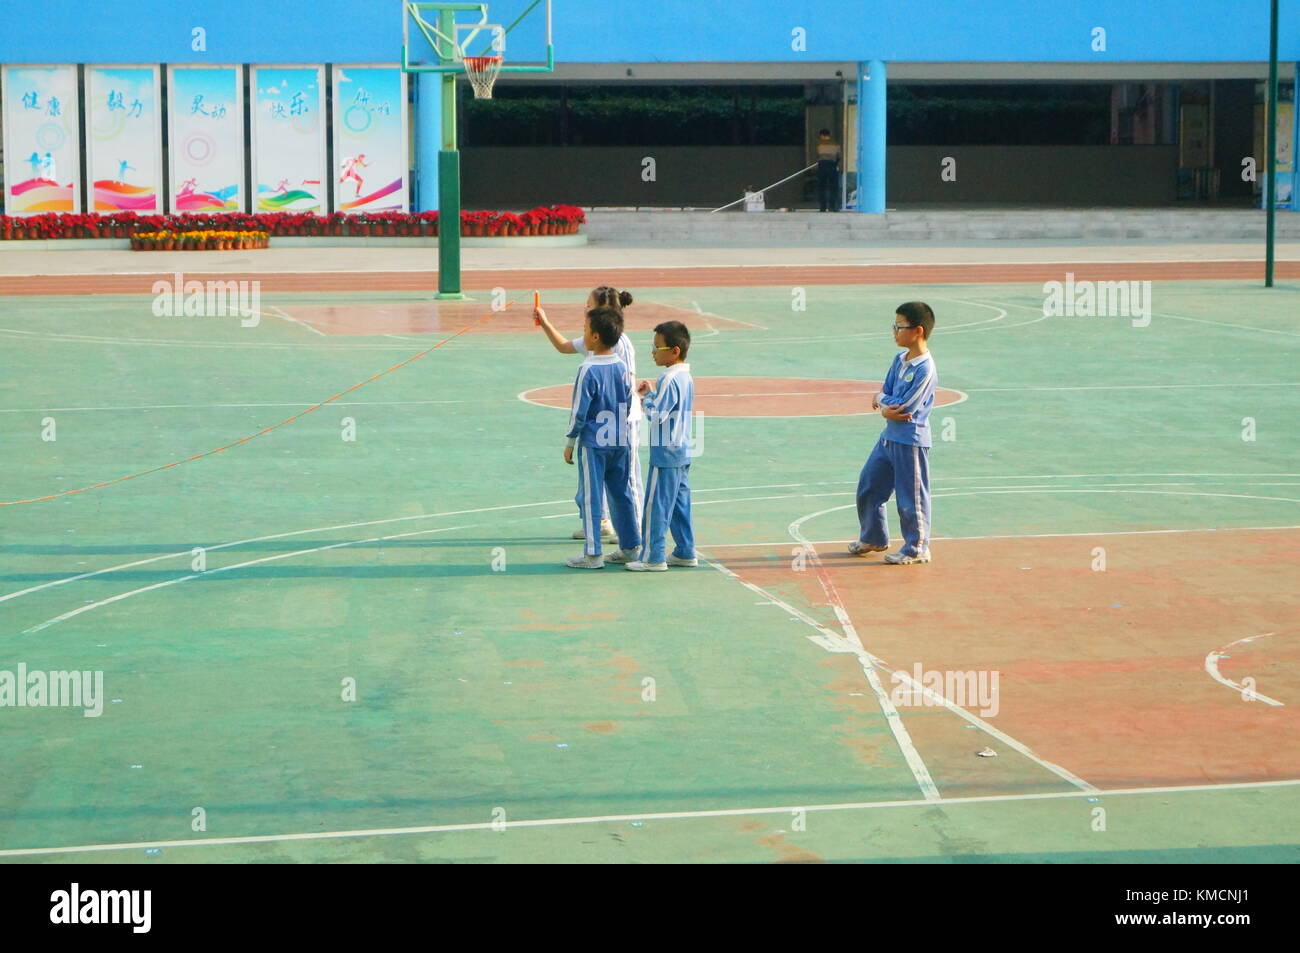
316	553
1112	587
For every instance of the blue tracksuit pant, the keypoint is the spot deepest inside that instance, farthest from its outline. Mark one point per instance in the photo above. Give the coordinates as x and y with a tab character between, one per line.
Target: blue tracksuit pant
901	468
667	506
604	473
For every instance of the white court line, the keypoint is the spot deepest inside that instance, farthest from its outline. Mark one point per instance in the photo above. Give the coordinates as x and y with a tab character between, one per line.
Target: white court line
1237	496
803	617
185	554
708	314
897	675
212	572
1224	324
661	816
984	492
1075	476
962	397
1000	263
958	539
967	328
347	347
163	342
1179	317
1212	668
867	662
301	324
1238	386
302	403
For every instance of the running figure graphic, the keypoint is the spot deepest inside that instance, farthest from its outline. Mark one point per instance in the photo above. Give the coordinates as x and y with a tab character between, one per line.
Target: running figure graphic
350	166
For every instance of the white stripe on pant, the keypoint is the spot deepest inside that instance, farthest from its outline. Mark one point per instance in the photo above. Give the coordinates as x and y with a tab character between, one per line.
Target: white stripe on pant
644	555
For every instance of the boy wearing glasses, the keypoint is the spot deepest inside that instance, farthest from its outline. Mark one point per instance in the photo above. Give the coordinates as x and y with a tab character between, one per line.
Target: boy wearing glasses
668	403
900	462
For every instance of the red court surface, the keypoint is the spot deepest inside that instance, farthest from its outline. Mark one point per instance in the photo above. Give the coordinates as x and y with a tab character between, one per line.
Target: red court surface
764	396
1104	673
441	317
710	276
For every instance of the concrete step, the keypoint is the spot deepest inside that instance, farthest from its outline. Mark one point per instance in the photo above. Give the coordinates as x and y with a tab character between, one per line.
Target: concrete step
777	228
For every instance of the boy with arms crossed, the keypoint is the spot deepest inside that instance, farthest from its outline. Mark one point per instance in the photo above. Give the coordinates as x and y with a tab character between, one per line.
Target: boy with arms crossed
900	462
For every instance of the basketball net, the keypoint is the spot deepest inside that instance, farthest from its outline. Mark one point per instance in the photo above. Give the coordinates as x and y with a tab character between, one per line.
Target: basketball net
482	72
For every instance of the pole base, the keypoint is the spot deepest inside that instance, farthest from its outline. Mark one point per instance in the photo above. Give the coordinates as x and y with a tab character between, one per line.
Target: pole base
450	296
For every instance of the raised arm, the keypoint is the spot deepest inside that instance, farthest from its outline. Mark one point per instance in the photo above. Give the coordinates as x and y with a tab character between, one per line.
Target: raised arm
558	340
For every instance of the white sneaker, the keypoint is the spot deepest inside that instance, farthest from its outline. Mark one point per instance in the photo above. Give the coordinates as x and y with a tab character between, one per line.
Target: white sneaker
621	556
606	531
898	559
638	566
859	548
678	561
583	561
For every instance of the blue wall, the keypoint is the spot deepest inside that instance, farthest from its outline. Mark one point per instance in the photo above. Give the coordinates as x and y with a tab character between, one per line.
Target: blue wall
148	31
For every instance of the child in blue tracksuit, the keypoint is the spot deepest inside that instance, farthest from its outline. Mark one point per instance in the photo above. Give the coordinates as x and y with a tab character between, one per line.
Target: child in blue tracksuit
598	428
668	404
900	462
605	296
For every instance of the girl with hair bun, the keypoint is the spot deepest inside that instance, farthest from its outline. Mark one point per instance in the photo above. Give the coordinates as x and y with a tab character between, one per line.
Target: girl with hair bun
607	296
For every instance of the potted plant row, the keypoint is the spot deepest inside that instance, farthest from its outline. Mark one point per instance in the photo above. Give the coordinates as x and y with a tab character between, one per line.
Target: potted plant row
543	220
199	240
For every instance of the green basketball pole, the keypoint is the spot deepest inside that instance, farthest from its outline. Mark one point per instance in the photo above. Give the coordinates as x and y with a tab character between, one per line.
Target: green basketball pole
1270	139
442	38
448	178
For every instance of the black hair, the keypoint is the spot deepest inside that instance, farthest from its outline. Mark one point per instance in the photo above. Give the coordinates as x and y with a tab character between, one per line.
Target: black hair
823	132
918	315
609	297
607	323
675	334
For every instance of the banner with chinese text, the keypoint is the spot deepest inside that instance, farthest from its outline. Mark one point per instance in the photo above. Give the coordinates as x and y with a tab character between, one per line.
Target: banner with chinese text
288	125
42	140
371	155
124	138
205	134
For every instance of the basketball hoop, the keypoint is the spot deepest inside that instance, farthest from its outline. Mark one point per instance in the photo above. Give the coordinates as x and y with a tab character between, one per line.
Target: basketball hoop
482	72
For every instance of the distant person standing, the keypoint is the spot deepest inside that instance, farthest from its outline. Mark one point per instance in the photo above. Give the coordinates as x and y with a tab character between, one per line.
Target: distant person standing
828	172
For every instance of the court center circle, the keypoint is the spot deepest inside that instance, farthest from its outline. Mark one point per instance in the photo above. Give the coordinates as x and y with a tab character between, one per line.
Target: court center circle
765	396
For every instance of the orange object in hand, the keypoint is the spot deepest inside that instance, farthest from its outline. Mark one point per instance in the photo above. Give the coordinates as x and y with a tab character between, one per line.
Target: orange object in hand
537	303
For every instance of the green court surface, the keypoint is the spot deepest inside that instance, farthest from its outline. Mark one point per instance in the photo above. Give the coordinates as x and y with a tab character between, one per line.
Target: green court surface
715	714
